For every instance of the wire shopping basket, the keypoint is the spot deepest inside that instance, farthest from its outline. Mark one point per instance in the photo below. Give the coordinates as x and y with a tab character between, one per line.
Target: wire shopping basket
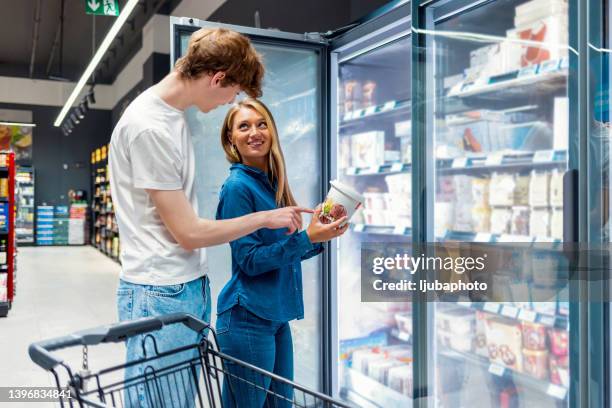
204	377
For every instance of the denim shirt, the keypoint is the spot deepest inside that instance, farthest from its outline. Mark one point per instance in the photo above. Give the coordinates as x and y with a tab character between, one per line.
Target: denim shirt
266	271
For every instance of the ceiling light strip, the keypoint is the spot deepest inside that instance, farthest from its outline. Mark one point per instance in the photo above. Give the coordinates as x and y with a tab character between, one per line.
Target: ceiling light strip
112	33
18	124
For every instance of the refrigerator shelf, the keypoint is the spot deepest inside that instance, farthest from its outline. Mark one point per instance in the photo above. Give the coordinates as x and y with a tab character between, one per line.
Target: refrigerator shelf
547	77
557	321
382	229
490	162
385	108
371	390
490	238
545	387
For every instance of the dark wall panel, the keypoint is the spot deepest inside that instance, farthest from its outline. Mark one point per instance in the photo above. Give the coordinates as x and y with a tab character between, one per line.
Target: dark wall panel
62	162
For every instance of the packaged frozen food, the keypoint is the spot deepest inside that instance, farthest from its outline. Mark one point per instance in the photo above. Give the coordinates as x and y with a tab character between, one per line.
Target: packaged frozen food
504	342
378	369
539	222
341	201
400	379
344	156
559	370
403	128
352	96
551	31
520	221
559	342
480	191
3	294
556	188
501	189
463	343
400	184
480	335
535	363
445	190
375	217
462	220
406	149
471	137
444	212
556	223
458	321
368	149
369	94
534	336
501	219
481	219
404	322
374	200
399	203
521	190
361	358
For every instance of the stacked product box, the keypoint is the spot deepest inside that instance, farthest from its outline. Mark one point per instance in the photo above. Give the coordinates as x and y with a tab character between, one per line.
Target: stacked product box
60	225
76	228
44	225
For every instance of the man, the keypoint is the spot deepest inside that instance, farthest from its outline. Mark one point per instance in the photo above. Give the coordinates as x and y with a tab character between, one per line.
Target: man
152	171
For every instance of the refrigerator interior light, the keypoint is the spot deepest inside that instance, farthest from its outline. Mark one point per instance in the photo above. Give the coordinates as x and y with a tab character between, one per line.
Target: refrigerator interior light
110	36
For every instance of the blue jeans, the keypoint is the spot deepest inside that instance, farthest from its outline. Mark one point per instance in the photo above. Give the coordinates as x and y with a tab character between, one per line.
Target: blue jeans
263	343
167	388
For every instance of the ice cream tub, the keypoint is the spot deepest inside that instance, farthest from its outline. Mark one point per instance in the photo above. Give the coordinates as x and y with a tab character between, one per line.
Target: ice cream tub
341	201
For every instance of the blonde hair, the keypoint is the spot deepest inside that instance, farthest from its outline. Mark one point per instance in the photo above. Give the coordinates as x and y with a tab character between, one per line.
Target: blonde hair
276	160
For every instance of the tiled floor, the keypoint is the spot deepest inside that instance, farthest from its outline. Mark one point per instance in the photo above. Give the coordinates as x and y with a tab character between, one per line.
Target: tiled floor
60	290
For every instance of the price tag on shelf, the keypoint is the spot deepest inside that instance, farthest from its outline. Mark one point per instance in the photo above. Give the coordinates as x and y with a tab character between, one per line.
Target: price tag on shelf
459	163
544	156
388	106
348	116
351	171
527	315
497	370
482	237
465	304
549	66
371	170
399	230
556	391
532	70
403	336
491	307
509	311
370	111
395	167
547	320
359	227
494	159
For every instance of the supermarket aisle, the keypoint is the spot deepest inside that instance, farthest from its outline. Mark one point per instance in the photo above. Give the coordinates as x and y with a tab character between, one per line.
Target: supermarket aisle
60	290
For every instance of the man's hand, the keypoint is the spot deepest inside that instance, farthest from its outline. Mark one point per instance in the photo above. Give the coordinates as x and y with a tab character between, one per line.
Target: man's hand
287	217
319	232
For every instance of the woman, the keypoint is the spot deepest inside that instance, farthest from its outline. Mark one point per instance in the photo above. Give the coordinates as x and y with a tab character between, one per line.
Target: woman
265	291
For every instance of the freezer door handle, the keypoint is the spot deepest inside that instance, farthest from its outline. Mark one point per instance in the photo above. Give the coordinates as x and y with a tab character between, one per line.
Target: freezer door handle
570	206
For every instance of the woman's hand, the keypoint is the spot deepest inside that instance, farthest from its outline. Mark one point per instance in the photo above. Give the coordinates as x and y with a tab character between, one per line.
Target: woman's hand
319	232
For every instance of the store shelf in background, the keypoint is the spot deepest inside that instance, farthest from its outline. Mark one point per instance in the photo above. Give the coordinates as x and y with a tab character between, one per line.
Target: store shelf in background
549	76
373	391
382	230
557	321
489	162
484	237
553	390
389	107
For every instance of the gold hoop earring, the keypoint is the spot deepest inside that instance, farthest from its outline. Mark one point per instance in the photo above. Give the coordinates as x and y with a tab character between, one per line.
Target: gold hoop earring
235	152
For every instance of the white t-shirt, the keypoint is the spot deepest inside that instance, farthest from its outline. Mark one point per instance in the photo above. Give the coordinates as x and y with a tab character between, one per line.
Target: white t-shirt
151	148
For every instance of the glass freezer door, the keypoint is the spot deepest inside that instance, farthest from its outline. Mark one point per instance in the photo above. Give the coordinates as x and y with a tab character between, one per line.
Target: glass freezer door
371	147
498	126
292	91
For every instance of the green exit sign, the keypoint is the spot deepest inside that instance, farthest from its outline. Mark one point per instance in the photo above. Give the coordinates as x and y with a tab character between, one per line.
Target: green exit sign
102	7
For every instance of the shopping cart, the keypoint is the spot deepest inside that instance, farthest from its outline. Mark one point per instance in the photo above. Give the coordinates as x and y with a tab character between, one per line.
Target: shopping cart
192	382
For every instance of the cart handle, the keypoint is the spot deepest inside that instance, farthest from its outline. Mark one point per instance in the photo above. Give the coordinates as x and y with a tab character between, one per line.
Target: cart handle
40	351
